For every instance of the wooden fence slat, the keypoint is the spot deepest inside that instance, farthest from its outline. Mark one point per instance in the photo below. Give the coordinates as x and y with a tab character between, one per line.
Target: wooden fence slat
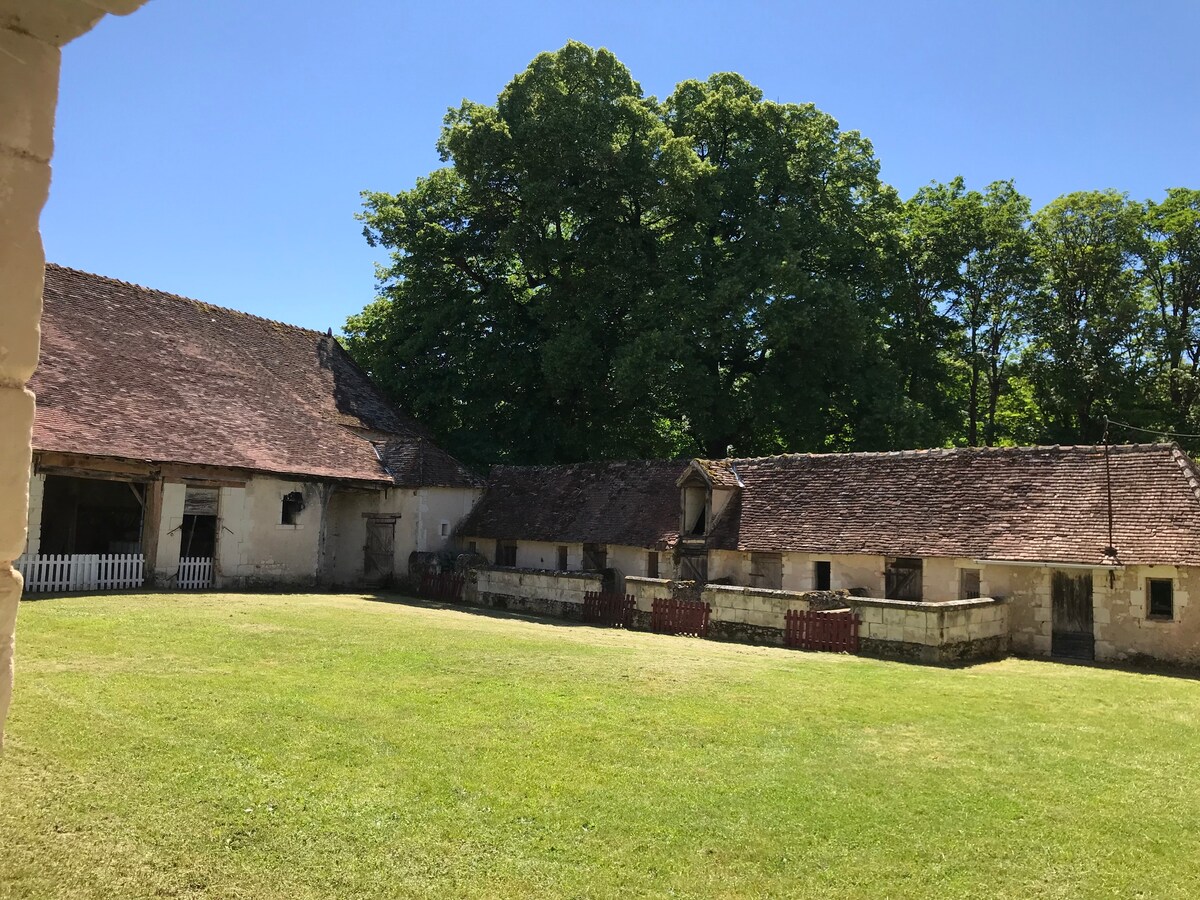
60	573
821	630
445	586
671	616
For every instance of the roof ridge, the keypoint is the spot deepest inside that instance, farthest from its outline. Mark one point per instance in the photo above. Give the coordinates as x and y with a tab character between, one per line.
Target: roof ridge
186	299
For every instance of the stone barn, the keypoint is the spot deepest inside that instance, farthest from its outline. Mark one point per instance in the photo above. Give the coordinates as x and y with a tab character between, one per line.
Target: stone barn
180	444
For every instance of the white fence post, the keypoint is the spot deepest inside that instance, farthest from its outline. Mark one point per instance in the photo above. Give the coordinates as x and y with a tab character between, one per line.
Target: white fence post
59	573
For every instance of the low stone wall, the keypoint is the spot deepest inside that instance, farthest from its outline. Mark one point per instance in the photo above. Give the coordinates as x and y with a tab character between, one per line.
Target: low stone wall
756	615
537	591
953	631
744	614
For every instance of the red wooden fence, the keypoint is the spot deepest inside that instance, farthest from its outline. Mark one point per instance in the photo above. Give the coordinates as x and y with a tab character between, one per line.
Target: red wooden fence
813	630
680	617
614	610
441	586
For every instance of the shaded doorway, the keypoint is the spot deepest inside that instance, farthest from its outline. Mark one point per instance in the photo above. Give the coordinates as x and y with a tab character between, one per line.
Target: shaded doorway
379	552
1072	635
90	515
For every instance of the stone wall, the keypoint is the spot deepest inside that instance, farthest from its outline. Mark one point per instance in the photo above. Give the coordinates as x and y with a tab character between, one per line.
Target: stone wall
537	591
953	631
31	33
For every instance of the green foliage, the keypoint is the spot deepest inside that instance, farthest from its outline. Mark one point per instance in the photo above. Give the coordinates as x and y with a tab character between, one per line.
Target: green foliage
1087	352
597	274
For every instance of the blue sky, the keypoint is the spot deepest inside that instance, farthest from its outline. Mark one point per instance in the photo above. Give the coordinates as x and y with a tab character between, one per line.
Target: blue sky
216	148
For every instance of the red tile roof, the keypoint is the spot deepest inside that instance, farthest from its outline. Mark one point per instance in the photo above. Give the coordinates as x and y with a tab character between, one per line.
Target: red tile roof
1031	504
131	372
633	504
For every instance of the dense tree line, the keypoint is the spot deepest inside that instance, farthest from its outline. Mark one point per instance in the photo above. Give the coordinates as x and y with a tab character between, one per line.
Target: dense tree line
595	273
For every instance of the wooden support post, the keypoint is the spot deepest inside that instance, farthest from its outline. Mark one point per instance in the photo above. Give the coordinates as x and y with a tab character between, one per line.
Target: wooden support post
151	522
324	577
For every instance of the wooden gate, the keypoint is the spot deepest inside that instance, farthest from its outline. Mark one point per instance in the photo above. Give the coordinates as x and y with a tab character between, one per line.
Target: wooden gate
444	586
1071	633
379	553
680	617
809	629
611	609
693	567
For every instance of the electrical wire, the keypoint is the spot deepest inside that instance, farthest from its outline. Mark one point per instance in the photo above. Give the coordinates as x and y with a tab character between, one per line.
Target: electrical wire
1160	432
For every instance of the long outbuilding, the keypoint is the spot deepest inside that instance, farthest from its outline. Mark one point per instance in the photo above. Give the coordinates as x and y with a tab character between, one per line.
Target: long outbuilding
178	443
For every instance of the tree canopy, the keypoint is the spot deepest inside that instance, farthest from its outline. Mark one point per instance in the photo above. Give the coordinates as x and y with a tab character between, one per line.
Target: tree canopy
595	273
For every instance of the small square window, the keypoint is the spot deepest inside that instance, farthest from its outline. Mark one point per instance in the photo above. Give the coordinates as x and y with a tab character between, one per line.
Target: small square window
562	559
506	555
1160	598
822	575
595	557
766	570
968	584
472	547
293	503
902	578
652	564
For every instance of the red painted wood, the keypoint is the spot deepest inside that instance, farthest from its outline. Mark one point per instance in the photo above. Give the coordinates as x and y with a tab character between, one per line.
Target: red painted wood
813	630
613	610
444	586
680	617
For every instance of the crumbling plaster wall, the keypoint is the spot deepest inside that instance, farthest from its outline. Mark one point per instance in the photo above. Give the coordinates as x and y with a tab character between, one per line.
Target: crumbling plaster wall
421	515
254	547
31	33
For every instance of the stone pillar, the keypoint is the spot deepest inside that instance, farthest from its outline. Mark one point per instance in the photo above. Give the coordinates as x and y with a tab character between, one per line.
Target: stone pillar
31	32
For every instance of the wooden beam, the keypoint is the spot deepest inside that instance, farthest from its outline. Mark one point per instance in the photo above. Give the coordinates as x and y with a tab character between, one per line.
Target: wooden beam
151	522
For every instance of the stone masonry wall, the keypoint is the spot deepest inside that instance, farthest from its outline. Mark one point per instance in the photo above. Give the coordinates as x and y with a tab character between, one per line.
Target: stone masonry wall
31	33
558	594
956	630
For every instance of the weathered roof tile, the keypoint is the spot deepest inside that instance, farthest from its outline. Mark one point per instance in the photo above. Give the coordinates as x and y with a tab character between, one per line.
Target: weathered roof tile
1030	503
633	504
131	372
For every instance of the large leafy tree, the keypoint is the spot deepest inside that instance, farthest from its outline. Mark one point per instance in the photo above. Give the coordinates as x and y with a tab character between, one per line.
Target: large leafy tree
969	262
594	274
1171	265
770	252
521	314
1087	358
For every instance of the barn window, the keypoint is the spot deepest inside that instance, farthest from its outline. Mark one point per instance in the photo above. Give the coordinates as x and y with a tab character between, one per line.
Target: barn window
1160	598
595	557
506	554
562	559
651	564
822	575
471	547
445	530
968	584
902	578
293	503
766	570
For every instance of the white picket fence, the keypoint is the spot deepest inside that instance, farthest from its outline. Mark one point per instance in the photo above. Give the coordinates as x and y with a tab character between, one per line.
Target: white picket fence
80	572
195	573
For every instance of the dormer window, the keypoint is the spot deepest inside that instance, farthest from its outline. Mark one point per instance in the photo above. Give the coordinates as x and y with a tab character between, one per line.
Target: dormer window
695	510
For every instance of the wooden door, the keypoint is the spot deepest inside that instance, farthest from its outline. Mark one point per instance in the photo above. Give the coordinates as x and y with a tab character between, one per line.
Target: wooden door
1071	632
379	553
694	567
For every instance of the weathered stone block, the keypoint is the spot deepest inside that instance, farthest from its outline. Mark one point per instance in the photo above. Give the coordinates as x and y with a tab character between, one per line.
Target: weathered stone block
16	412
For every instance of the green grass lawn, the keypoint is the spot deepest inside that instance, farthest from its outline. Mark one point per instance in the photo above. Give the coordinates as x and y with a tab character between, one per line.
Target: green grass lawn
336	746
